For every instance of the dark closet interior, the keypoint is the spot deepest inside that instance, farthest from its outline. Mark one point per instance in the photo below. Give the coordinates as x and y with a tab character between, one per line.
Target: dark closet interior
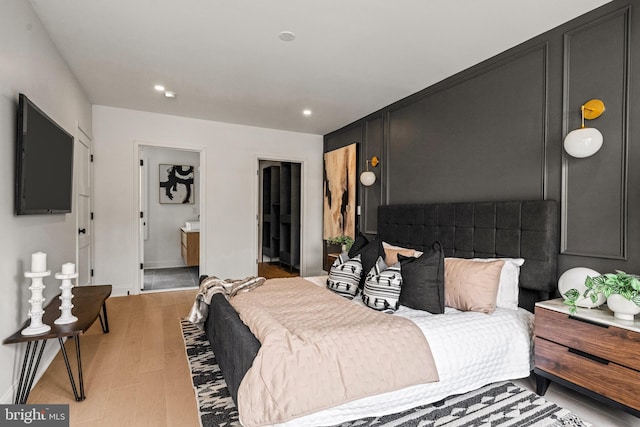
281	214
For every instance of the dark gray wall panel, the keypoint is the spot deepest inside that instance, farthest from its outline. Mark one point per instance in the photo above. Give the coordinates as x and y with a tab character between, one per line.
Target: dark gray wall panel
594	189
482	138
372	196
345	136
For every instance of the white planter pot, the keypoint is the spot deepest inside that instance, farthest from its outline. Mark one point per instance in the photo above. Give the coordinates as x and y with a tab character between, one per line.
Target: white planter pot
622	308
574	279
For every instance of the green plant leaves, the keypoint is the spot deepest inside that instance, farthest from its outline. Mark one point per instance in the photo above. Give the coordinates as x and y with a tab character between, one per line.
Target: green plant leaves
572	296
621	283
341	240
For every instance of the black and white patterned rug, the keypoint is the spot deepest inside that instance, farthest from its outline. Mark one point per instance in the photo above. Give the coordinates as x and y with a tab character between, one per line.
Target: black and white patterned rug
501	404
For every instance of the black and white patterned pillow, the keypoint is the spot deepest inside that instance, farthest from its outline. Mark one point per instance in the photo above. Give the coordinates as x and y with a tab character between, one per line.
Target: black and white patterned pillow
344	275
382	287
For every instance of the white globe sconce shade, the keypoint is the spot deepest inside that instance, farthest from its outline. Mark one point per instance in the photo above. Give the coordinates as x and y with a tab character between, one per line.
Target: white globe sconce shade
583	142
368	178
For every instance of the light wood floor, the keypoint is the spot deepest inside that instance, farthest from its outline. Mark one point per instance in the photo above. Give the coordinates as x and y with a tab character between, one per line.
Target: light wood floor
137	374
273	271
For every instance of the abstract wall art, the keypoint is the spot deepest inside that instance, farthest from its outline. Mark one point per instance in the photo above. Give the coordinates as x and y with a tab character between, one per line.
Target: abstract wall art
340	192
176	184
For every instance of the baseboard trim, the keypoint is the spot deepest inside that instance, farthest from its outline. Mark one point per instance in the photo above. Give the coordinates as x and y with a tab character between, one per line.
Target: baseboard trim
163	264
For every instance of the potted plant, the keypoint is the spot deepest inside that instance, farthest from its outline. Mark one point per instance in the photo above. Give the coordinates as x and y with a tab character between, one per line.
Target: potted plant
621	289
345	242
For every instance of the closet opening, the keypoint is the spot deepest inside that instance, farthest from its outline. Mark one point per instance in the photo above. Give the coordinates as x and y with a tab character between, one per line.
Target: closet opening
279	218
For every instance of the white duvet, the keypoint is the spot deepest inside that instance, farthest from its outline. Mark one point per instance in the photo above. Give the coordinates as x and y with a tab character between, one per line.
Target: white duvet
470	350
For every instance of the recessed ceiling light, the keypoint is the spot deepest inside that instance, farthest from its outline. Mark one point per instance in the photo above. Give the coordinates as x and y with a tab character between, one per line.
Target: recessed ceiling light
287	36
306	112
169	94
159	88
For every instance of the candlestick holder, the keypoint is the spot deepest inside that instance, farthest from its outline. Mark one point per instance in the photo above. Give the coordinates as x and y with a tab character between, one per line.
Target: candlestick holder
65	299
35	312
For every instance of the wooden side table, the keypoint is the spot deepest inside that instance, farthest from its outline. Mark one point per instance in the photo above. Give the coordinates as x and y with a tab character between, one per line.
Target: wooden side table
87	302
590	351
329	261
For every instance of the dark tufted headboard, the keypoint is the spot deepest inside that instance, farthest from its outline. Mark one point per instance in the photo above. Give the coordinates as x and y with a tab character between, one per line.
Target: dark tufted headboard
521	229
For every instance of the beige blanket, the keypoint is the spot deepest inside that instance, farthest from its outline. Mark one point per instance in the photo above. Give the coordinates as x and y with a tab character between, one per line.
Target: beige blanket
320	349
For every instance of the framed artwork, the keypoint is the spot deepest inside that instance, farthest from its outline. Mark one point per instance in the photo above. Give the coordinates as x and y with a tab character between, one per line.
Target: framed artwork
340	192
176	184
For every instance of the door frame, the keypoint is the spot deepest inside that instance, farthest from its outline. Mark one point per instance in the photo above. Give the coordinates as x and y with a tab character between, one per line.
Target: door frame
83	135
303	206
139	202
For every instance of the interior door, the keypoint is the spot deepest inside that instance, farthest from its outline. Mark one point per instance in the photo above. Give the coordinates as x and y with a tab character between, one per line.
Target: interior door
143	202
83	203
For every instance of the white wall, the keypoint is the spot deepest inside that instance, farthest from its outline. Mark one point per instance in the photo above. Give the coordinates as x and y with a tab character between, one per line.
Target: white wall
229	161
30	64
162	247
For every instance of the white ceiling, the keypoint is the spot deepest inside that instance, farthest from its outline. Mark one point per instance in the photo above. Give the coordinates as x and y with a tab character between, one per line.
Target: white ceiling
225	61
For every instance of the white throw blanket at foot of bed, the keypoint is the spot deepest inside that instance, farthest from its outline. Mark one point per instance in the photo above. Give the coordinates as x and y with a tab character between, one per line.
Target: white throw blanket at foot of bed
211	286
320	350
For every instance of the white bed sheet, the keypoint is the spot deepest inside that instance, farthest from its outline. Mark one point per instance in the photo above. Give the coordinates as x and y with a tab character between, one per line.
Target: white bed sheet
470	350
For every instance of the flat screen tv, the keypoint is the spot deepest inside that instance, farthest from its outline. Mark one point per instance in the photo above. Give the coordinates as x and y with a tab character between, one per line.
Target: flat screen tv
44	163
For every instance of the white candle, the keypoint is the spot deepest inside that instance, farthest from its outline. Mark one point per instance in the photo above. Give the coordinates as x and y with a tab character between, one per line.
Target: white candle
38	262
68	268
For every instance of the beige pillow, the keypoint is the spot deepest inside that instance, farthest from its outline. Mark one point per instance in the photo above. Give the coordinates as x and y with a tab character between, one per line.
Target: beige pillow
391	253
471	286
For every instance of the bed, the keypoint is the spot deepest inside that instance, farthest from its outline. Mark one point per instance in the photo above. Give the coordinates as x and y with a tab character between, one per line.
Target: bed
512	229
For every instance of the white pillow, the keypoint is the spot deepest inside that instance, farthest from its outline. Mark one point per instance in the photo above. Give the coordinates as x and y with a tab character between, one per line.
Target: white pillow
509	280
344	275
386	245
382	287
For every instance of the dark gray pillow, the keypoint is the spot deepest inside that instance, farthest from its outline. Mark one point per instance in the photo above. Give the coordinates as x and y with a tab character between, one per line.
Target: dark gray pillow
423	280
360	242
369	254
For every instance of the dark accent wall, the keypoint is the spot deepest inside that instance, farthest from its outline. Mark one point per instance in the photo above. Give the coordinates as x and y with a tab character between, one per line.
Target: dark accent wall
596	61
470	133
495	131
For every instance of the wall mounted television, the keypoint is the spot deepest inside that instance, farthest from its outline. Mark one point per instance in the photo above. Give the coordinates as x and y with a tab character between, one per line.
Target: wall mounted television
44	163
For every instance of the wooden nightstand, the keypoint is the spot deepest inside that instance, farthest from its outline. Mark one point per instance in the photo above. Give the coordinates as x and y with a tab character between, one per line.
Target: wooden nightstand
329	261
591	352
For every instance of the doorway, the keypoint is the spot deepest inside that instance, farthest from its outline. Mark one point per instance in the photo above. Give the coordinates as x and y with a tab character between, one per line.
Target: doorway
169	218
84	215
279	218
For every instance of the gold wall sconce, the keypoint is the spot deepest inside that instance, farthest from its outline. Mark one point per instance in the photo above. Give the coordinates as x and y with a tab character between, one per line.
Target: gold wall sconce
585	142
368	178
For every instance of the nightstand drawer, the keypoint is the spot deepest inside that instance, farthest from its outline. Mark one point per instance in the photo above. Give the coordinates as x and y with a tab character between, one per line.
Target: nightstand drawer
606	378
608	342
